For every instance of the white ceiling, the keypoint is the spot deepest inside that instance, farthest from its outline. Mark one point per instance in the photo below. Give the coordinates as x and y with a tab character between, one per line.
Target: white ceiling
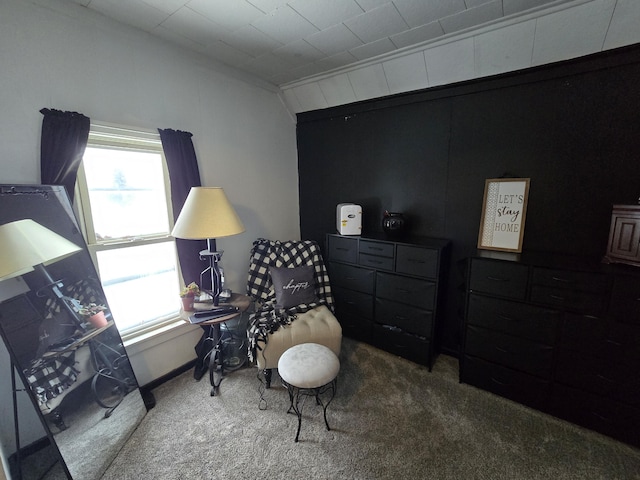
281	41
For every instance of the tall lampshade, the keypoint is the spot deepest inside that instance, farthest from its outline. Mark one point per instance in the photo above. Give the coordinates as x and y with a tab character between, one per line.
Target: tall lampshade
25	244
207	214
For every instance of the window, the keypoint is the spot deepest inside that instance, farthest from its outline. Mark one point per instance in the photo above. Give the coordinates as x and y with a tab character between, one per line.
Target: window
125	203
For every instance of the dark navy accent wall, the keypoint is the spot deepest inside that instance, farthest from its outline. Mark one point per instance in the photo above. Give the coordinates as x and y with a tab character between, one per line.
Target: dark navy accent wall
572	127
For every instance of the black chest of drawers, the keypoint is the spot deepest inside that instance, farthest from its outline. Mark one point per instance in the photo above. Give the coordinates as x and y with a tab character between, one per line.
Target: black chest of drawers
388	293
558	334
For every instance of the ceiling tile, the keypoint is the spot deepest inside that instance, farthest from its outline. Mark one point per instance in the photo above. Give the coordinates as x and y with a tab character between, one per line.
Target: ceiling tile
334	39
369	82
291	100
472	17
507	49
406	73
419	12
624	24
451	62
375	24
194	26
285	25
418	35
371	4
336	61
166	6
251	40
310	96
373	49
268	6
299	53
337	90
325	13
231	15
556	39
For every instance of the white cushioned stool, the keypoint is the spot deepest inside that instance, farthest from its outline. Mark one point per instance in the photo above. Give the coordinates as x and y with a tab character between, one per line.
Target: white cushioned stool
309	369
318	325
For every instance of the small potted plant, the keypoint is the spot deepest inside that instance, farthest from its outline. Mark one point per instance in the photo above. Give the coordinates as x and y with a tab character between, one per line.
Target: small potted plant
94	313
188	295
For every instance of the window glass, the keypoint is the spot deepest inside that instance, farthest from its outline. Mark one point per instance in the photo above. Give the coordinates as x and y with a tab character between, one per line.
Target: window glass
126	193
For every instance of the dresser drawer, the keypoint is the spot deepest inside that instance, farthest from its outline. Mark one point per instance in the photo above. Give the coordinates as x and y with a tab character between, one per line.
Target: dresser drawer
598	413
419	293
504	279
354	278
625	299
506	382
584	302
394	340
571	280
380	249
350	302
597	376
527	356
421	262
343	249
409	319
518	319
373	261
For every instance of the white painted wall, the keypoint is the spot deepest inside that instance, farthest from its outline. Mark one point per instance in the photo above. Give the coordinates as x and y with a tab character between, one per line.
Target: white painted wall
552	34
60	55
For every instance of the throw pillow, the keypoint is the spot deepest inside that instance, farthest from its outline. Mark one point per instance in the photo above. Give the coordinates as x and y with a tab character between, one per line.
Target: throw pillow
293	286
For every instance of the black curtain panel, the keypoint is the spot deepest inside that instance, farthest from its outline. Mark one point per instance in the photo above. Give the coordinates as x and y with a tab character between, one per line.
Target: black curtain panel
184	174
63	142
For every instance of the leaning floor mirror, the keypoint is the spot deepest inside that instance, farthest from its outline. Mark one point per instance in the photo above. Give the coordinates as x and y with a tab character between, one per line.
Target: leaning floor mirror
67	360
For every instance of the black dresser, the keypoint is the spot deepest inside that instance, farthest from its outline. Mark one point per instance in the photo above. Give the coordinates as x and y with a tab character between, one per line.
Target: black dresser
559	334
389	293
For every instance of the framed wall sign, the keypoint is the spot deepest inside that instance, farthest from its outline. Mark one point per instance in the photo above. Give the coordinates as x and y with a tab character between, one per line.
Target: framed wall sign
503	214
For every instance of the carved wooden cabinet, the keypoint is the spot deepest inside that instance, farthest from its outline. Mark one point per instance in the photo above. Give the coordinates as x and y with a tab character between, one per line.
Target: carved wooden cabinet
389	293
624	235
558	334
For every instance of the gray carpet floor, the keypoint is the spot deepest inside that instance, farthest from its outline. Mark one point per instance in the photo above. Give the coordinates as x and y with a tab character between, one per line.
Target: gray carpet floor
390	419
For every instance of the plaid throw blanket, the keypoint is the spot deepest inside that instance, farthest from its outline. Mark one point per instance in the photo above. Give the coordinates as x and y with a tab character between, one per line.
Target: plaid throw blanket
269	253
49	378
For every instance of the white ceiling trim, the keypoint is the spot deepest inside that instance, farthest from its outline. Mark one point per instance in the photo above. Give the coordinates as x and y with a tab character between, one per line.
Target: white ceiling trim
513	19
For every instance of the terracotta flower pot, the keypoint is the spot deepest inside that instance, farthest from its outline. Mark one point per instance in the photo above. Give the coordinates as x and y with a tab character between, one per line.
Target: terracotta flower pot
187	303
98	320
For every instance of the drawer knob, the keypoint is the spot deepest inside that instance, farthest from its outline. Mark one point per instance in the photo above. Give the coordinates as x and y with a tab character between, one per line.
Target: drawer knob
560	279
497	279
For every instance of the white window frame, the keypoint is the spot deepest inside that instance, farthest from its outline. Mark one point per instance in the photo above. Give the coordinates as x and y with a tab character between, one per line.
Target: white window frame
118	137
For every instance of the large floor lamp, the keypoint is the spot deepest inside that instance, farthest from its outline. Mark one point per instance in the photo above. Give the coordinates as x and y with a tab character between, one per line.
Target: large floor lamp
25	246
207	215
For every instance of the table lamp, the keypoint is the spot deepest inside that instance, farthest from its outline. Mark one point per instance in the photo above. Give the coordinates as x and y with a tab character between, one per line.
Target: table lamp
207	215
25	246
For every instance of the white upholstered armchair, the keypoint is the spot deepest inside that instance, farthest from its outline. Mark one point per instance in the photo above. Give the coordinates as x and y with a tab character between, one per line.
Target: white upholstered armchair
290	285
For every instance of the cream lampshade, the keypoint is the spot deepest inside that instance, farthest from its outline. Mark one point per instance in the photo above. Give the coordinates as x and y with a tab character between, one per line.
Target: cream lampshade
207	214
25	244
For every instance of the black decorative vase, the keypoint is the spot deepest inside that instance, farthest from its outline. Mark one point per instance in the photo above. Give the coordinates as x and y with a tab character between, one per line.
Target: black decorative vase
393	224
